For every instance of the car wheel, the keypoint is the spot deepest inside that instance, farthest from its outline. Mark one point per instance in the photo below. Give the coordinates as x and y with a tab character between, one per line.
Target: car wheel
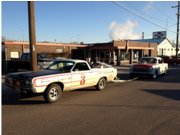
101	84
52	93
154	76
132	75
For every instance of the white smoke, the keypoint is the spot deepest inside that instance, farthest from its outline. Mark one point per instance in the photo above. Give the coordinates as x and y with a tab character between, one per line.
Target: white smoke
123	31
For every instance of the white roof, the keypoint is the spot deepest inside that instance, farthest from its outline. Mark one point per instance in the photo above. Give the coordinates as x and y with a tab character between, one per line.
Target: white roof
72	60
153	57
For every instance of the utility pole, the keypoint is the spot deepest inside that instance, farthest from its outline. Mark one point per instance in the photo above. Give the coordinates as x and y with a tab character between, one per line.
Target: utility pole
32	35
177	34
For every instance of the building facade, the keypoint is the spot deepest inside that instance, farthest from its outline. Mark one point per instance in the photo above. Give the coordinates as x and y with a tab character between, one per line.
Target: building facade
164	48
16	49
115	52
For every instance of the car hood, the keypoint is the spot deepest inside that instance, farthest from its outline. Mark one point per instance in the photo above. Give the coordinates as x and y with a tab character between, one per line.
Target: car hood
32	74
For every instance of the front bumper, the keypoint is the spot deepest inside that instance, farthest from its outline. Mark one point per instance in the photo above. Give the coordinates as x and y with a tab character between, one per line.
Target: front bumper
142	72
19	85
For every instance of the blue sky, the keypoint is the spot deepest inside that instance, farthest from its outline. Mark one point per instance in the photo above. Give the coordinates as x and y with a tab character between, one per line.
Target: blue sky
89	21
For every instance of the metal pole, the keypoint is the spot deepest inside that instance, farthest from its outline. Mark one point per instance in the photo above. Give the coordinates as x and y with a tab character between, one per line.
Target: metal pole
32	35
177	34
177	38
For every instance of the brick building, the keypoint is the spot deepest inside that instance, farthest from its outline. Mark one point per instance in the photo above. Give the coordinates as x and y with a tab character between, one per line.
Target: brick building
15	49
115	52
118	52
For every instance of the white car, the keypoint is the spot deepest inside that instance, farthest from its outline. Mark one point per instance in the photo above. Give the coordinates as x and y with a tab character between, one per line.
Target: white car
151	66
61	75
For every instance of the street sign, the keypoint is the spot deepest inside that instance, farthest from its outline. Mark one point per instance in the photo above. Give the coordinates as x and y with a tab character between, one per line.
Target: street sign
159	35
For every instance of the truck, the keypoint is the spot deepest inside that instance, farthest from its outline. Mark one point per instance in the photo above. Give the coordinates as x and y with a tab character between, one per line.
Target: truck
149	66
62	75
24	62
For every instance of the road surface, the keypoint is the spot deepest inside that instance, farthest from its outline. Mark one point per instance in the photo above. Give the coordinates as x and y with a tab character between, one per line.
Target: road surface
140	107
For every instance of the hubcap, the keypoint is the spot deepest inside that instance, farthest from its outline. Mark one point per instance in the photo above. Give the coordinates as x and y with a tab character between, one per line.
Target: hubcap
101	84
54	93
155	75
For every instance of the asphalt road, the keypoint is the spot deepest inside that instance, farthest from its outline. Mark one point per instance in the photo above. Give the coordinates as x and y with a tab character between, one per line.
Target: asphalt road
139	107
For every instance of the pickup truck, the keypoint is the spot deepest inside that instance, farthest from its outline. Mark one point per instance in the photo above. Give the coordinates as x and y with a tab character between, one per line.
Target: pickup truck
151	66
61	75
24	64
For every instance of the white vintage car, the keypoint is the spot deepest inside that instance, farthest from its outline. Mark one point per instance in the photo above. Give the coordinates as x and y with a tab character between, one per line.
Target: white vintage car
61	75
151	66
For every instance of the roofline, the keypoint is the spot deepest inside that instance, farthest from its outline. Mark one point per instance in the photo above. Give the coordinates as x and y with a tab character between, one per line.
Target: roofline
72	60
37	43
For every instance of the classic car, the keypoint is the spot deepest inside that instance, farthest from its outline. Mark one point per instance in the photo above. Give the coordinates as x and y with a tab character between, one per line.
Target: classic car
151	66
61	75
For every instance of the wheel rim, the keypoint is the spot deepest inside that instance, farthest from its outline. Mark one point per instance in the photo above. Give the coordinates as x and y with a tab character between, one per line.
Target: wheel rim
54	93
155	75
101	84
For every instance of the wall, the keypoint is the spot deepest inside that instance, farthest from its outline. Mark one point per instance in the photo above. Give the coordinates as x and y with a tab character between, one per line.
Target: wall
52	49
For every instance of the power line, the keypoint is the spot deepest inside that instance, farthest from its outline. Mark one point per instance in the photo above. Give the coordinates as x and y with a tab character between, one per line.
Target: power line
125	8
163	13
147	15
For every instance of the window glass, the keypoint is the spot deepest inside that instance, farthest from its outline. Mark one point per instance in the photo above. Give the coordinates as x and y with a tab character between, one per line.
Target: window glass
148	60
64	66
81	66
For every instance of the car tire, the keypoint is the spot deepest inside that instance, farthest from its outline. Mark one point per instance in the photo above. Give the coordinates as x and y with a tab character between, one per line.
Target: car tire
155	75
101	84
52	93
132	75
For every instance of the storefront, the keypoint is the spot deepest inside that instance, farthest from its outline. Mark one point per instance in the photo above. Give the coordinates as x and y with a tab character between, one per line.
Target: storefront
117	52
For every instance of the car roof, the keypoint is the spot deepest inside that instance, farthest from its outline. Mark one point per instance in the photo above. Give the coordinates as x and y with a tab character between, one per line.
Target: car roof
153	57
70	60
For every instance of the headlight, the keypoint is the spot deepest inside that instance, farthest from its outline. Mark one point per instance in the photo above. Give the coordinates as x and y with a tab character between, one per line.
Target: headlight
28	82
9	79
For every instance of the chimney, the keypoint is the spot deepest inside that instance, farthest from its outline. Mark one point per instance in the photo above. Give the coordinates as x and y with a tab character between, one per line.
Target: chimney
142	35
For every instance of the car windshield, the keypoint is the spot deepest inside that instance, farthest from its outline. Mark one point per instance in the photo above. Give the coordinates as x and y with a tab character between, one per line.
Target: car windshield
147	60
63	66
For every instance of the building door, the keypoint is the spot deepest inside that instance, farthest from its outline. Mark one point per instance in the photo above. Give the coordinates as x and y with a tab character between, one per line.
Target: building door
105	56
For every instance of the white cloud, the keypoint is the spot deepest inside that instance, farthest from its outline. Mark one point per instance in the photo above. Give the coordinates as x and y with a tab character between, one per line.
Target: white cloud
123	31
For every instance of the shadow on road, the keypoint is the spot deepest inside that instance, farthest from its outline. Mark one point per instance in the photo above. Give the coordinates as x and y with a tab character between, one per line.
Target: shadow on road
131	107
171	94
19	100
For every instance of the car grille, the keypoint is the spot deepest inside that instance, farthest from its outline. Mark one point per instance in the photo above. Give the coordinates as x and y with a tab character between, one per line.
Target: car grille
141	70
17	83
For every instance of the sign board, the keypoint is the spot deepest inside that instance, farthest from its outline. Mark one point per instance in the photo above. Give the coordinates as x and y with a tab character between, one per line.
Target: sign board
14	54
159	35
59	50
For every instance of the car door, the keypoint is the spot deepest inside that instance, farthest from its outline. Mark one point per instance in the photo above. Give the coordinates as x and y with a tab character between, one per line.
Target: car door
81	76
